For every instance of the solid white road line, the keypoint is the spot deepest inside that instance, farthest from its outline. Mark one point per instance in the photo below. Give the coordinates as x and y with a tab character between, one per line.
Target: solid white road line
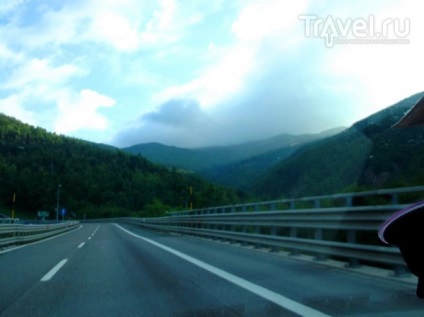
53	271
276	298
81	245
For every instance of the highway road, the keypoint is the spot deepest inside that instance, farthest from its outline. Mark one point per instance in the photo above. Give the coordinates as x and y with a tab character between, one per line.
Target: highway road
124	270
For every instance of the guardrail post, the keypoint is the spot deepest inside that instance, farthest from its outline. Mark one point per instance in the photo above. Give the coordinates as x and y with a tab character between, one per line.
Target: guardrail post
351	238
293	234
395	199
272	206
349	201
244	230
318	236
233	229
274	233
292	205
317	203
401	271
257	231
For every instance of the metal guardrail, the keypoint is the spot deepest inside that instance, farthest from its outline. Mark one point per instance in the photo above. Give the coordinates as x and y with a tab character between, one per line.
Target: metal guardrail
323	232
346	232
313	201
9	220
13	233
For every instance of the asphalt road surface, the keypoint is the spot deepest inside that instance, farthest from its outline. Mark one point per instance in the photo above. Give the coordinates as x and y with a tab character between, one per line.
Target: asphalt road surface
124	270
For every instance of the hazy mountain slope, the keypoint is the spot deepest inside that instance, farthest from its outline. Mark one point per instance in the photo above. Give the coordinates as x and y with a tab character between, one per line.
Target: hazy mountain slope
201	159
241	174
171	156
370	154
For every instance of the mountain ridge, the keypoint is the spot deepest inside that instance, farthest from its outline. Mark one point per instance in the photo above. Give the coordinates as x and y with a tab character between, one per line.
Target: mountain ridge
205	158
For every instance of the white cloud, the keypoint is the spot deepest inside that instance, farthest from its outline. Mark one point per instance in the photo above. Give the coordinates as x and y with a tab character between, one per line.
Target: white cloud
263	19
80	111
160	27
8	6
8	57
37	71
256	23
114	23
12	106
216	83
113	29
124	25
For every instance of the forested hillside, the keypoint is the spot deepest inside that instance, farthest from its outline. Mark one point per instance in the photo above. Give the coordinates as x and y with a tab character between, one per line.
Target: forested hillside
370	154
95	180
235	166
242	174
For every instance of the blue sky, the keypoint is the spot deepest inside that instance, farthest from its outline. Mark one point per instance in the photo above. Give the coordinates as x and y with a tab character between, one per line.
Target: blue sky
196	73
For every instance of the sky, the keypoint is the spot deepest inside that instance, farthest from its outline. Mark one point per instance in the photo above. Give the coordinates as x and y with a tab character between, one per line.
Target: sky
194	73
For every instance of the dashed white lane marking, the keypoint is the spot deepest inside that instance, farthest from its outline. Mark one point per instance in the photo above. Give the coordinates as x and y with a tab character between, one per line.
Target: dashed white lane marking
53	271
81	245
95	230
276	298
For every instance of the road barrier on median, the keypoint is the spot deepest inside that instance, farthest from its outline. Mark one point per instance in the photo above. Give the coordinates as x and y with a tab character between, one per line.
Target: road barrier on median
14	233
342	226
